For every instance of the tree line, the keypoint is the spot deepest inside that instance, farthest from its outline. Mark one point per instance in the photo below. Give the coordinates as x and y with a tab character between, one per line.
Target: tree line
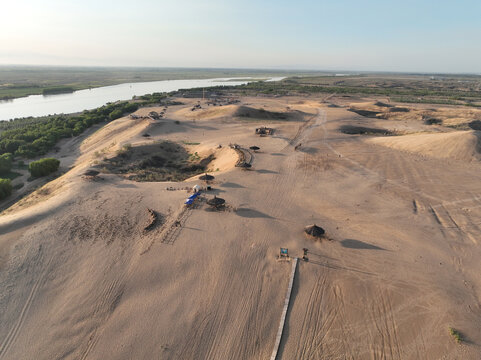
31	137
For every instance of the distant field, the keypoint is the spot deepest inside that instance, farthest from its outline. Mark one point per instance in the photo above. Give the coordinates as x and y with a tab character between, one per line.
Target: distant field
19	81
428	89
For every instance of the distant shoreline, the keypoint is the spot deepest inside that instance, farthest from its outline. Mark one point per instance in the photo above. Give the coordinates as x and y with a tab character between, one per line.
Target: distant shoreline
21	81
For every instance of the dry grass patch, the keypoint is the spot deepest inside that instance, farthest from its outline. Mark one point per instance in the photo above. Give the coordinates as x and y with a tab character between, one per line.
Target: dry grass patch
165	161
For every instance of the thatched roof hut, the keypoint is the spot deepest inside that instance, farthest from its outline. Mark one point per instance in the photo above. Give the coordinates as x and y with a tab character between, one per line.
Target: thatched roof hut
216	201
315	231
244	165
91	173
206	177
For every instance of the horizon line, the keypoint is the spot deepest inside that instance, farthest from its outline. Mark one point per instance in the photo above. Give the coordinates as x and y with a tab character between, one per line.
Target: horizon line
280	69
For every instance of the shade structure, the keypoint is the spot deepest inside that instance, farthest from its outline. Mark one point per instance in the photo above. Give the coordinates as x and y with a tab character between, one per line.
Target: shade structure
206	177
194	195
244	165
91	172
255	148
216	201
314	231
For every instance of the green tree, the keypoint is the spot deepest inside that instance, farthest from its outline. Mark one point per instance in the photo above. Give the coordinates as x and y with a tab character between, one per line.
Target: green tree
117	113
43	167
10	145
5	163
5	188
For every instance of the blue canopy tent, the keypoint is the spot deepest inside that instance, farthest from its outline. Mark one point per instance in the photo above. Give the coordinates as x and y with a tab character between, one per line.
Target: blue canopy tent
193	196
189	201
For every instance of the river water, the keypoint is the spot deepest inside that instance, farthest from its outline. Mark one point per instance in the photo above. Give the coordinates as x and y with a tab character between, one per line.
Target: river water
41	105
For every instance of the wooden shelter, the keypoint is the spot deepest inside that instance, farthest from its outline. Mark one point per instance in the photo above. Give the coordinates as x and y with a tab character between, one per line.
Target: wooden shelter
216	202
206	177
263	131
91	173
315	231
244	165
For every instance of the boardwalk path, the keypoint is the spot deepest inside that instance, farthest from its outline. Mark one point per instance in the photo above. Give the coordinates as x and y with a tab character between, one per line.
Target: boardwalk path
284	311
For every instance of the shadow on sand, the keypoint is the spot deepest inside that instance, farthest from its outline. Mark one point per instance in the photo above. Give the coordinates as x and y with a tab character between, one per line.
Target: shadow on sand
251	213
232	185
193	228
126	186
309	150
214	191
357	244
264	171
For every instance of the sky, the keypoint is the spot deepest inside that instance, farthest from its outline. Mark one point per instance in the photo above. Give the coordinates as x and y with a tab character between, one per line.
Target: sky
368	35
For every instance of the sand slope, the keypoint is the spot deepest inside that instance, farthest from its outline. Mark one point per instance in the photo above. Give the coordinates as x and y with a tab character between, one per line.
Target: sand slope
269	112
459	145
81	279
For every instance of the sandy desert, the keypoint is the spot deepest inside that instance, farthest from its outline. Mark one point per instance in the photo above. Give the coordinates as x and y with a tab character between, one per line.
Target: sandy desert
401	205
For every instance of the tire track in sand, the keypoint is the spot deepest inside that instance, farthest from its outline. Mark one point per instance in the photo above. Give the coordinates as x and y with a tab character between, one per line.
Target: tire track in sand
316	323
109	298
15	330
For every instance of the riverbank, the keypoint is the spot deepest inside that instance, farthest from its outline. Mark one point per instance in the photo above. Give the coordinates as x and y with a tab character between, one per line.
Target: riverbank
23	81
87	99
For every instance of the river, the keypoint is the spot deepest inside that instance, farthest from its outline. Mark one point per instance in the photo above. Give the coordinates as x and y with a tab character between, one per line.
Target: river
41	105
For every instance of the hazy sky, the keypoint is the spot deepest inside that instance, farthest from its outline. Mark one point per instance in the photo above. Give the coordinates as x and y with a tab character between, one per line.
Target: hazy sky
401	35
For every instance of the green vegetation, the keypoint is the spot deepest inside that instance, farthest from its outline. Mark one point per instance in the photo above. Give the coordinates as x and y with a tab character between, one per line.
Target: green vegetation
153	98
5	188
284	87
43	167
117	113
10	175
194	157
14	82
57	90
5	163
31	137
20	165
165	161
6	175
456	335
451	90
190	143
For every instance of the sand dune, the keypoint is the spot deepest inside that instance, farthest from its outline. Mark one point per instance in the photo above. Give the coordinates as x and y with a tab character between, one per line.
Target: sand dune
459	145
213	112
225	157
82	279
449	116
267	112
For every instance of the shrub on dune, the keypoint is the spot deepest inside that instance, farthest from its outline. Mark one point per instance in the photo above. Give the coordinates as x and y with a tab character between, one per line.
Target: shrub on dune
5	163
5	188
43	167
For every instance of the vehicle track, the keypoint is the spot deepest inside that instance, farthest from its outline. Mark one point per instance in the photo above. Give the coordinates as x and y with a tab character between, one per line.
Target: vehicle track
15	330
366	171
108	299
317	321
